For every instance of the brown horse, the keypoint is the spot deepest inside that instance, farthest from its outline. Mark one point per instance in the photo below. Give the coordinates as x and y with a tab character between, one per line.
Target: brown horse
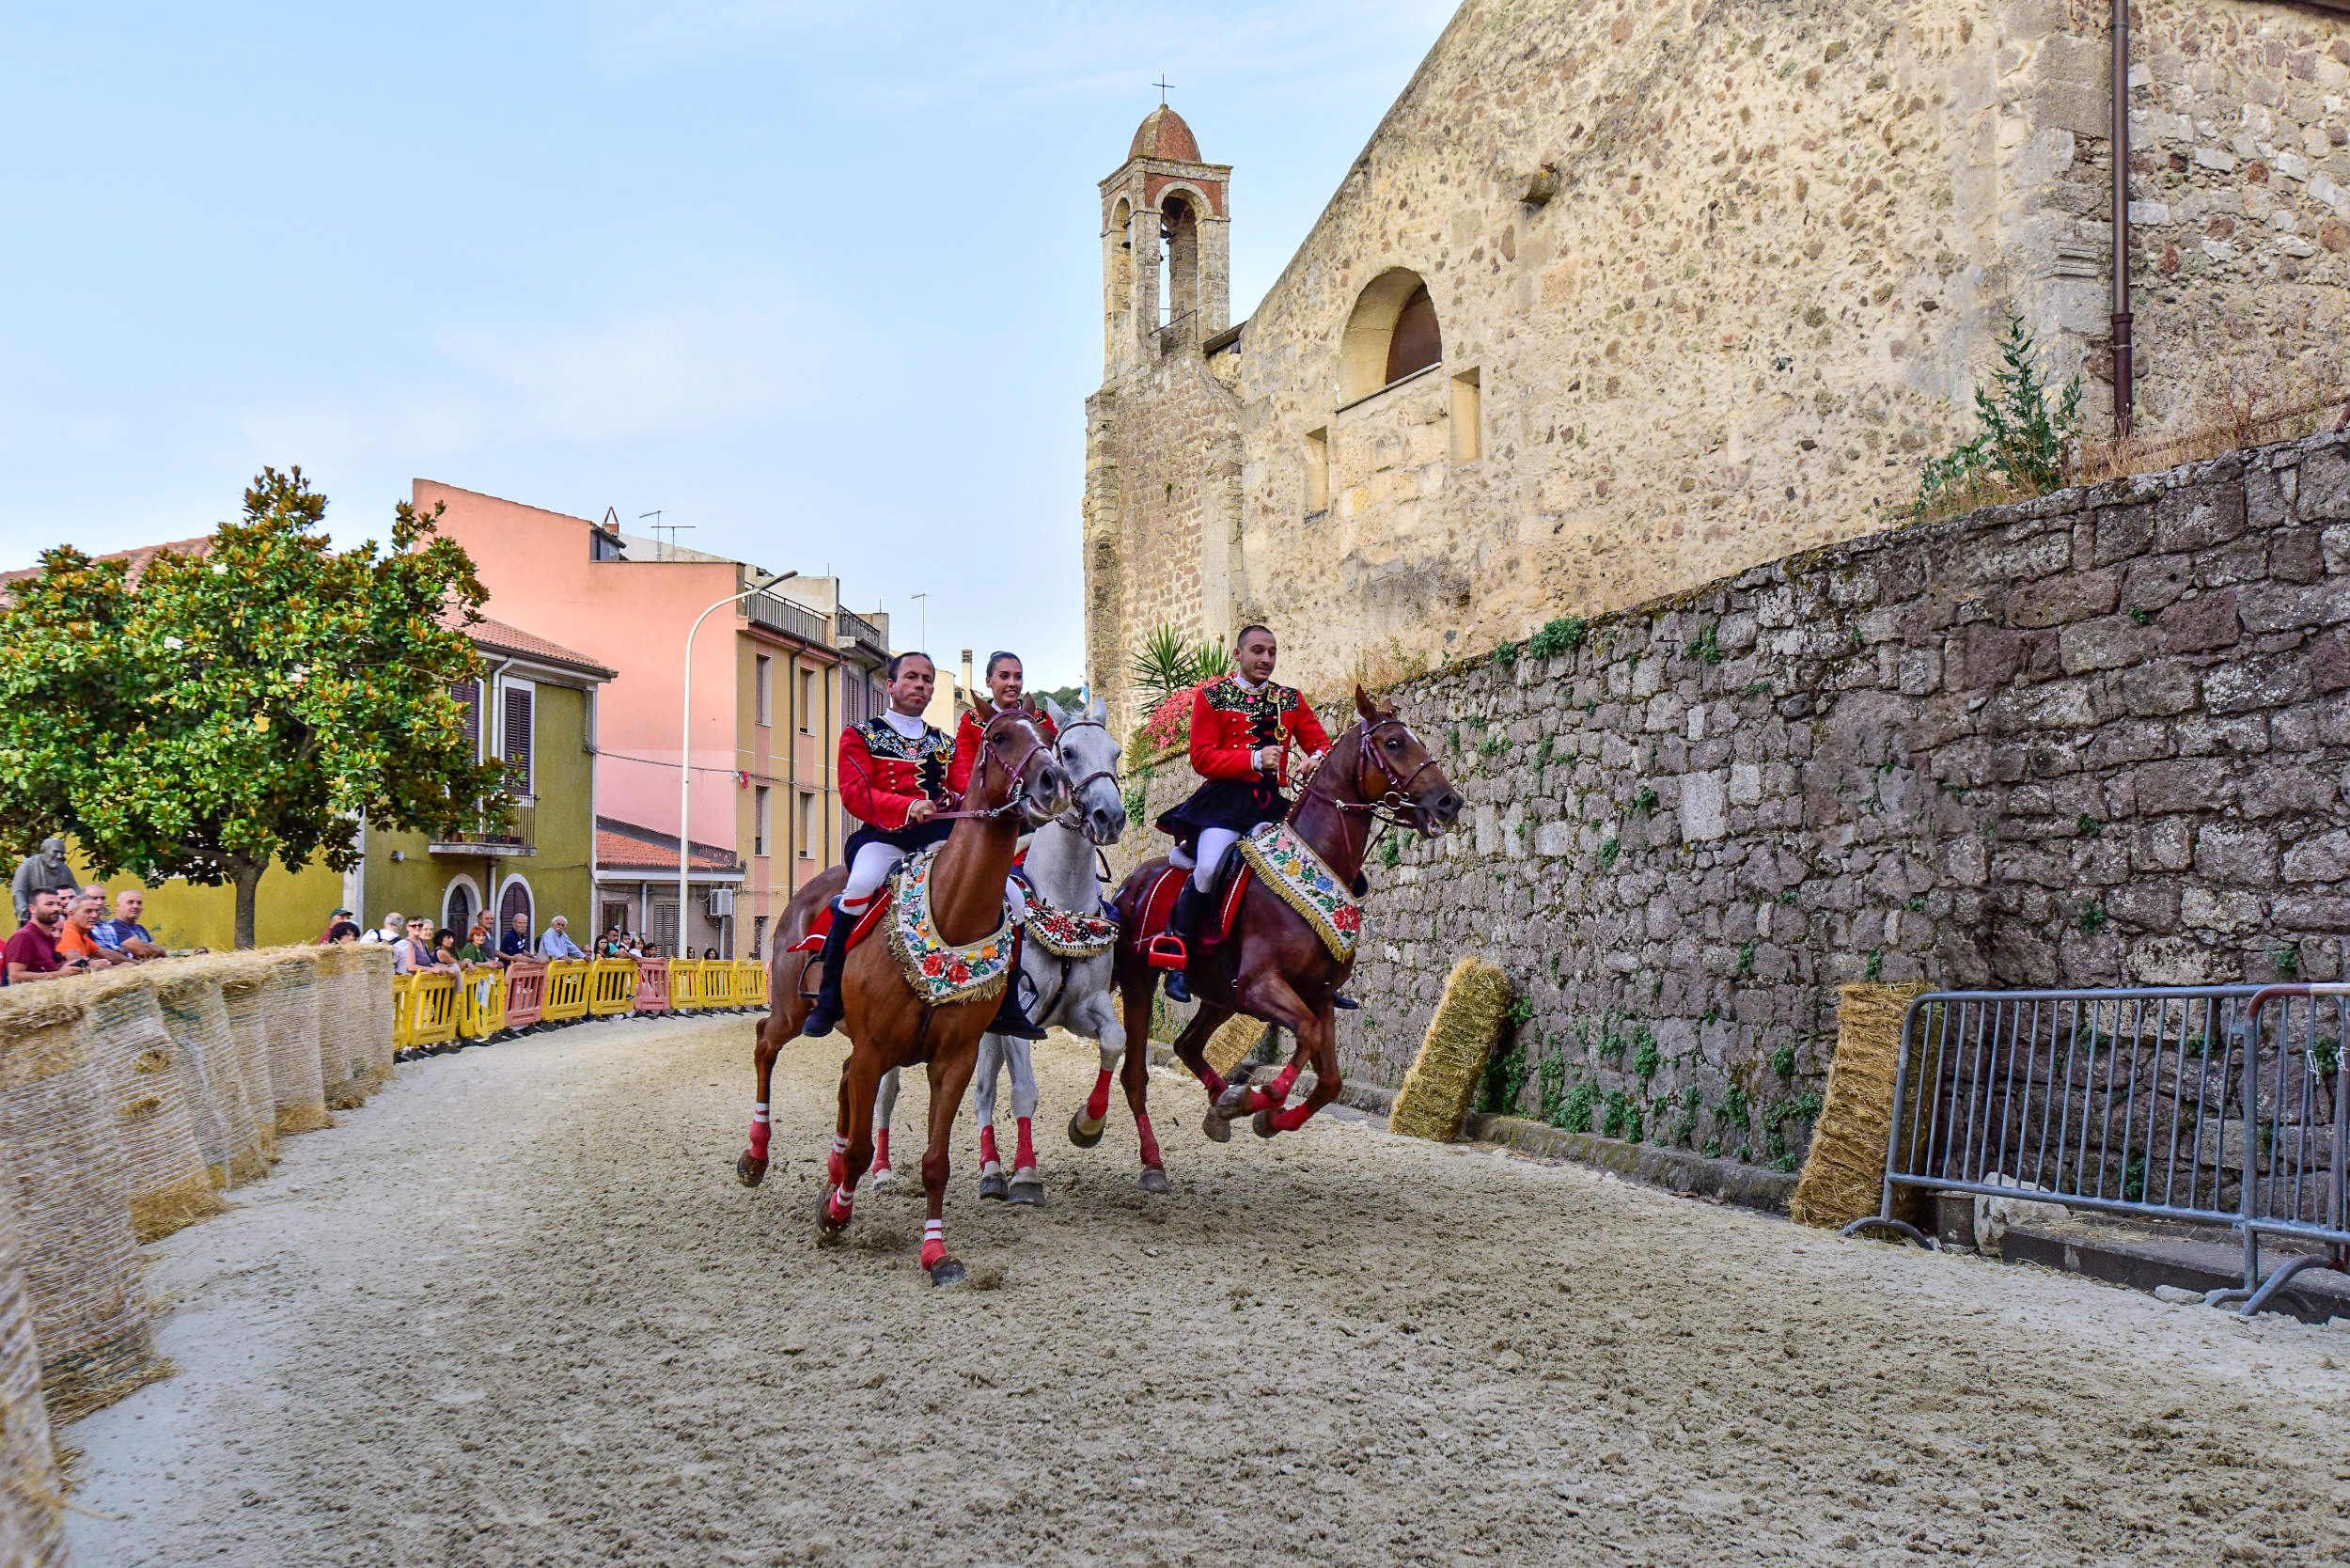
1017	777
1273	966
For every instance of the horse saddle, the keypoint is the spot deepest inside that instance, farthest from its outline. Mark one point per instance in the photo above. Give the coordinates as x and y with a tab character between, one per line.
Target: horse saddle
865	925
1160	946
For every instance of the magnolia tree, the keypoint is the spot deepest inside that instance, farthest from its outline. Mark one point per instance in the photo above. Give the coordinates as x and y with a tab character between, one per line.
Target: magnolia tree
245	704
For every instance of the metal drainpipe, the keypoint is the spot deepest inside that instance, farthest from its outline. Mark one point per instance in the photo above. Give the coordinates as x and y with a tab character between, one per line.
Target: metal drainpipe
2124	367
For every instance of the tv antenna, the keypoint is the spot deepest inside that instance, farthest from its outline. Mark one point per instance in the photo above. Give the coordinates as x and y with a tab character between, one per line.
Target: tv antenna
924	600
672	529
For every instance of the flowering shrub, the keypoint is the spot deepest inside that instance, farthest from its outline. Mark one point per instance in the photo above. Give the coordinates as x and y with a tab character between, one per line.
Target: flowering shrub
1168	724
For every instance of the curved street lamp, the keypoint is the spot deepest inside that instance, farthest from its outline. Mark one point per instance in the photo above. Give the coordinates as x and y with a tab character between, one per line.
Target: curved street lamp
685	752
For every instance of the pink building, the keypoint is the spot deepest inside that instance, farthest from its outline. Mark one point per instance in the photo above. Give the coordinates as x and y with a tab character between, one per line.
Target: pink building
776	675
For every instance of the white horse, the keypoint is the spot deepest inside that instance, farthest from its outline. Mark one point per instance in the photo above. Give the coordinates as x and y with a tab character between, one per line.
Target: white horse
1073	994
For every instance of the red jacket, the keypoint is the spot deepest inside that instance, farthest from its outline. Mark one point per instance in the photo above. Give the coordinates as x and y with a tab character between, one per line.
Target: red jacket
968	735
1227	723
883	774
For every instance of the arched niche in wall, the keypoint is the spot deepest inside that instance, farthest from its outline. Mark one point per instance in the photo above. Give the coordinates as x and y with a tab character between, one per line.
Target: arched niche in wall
1178	227
1392	332
1121	280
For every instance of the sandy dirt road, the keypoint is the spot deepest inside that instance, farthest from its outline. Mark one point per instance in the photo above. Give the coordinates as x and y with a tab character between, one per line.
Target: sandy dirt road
517	1311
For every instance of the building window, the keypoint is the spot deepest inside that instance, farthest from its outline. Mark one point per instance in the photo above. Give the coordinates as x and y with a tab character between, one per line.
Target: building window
664	932
1317	470
460	900
515	901
763	688
1469	435
1178	265
615	917
759	936
808	702
1393	334
519	705
807	826
758	817
468	696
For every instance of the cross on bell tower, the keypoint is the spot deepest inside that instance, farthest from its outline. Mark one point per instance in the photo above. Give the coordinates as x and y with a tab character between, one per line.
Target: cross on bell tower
1165	247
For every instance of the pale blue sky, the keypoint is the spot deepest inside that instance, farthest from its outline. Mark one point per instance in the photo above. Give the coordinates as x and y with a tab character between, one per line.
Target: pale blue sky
820	280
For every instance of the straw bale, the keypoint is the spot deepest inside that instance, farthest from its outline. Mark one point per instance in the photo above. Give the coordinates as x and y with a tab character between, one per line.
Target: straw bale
344	1017
221	1113
82	1263
165	1179
32	1526
1434	1099
1232	1041
372	1043
292	1007
1843	1176
243	987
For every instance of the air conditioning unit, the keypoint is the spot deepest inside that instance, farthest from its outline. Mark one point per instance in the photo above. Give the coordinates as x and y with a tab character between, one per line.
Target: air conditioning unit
721	902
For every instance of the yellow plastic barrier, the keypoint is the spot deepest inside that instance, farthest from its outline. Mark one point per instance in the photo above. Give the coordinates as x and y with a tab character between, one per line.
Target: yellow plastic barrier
567	990
435	1009
404	1011
481	1005
611	987
755	994
685	986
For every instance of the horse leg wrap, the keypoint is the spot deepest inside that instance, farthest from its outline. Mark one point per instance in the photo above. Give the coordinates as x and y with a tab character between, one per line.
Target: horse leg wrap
837	1163
1022	1146
1290	1118
759	1128
837	1206
1150	1142
1216	1085
881	1149
1283	1081
987	1148
1098	1103
933	1242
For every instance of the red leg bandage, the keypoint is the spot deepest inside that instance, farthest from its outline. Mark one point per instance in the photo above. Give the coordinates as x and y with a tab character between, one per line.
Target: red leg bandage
881	1149
1098	1103
933	1242
1150	1142
987	1147
759	1129
837	1206
1022	1146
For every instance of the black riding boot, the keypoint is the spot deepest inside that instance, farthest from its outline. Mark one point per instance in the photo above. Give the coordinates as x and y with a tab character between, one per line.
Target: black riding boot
827	1013
1012	1018
1190	905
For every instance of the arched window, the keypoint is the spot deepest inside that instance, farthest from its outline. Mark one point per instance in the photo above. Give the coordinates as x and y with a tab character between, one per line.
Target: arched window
1393	334
515	901
1179	279
459	902
1121	258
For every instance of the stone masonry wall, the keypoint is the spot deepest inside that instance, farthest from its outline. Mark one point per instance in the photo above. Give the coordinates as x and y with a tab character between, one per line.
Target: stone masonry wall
2094	739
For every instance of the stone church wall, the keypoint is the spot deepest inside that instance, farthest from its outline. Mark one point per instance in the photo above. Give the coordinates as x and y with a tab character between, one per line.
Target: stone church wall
2094	739
1783	239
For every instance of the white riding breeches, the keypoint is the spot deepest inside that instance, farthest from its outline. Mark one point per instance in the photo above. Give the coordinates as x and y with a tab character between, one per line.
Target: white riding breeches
868	870
1214	843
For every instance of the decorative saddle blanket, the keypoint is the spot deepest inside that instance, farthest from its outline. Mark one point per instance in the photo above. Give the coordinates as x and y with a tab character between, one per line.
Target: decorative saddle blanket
938	972
1066	934
1299	878
865	925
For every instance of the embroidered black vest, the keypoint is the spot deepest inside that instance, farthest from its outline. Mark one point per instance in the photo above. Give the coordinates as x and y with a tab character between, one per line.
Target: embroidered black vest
1264	708
931	752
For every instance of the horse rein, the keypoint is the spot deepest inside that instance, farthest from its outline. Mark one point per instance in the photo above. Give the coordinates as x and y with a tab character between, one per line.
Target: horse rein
1019	784
1395	800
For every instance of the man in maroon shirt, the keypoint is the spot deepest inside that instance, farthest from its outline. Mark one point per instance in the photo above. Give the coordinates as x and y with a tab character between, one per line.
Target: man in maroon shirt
32	952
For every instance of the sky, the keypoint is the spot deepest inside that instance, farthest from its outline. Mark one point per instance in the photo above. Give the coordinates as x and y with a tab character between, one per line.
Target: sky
820	281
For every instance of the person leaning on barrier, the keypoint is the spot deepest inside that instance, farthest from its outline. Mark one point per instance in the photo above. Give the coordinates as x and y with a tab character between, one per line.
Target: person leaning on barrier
125	935
78	938
414	954
514	941
391	929
32	952
556	943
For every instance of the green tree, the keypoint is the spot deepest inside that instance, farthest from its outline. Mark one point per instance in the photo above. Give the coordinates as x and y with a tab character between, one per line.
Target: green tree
245	704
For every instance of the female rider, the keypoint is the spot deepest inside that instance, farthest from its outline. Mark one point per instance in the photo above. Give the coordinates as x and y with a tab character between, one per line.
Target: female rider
1006	677
1243	730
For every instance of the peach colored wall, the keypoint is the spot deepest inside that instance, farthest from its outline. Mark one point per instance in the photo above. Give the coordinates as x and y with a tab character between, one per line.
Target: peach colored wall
631	616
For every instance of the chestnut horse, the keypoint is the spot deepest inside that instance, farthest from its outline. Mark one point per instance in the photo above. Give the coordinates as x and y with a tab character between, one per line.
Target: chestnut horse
1017	777
1273	966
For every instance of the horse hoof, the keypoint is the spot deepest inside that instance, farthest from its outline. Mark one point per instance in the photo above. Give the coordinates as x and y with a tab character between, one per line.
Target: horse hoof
993	1184
1218	1128
1233	1101
1261	1124
1028	1187
1154	1180
882	1176
750	1170
947	1271
1077	1134
829	1230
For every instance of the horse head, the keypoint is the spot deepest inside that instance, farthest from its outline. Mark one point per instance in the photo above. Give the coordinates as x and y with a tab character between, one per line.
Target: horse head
1392	768
1089	753
1025	769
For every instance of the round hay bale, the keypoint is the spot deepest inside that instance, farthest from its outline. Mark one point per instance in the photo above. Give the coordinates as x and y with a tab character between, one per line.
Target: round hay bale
291	1000
164	1174
243	986
31	1496
58	1139
373	1051
1435	1100
1843	1176
220	1112
344	1016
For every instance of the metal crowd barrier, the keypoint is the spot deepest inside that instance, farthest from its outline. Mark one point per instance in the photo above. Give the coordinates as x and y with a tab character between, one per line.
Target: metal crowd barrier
2209	1104
611	987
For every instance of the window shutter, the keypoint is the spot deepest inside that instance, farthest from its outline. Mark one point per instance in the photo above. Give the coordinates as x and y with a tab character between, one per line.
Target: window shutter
518	740
468	696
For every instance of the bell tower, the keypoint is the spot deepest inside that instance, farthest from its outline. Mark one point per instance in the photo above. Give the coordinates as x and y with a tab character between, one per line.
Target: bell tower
1166	253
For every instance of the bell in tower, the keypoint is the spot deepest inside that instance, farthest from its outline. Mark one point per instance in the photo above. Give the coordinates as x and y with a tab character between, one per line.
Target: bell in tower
1166	256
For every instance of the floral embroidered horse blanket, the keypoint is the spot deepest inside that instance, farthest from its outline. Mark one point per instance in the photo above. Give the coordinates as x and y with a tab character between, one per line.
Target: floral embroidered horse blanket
939	972
1066	934
1296	875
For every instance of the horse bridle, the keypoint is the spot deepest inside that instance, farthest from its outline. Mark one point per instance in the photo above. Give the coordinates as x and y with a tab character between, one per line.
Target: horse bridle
1393	801
987	755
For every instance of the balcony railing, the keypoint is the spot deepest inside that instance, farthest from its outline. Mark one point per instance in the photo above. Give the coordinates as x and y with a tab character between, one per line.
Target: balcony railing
783	616
854	630
515	838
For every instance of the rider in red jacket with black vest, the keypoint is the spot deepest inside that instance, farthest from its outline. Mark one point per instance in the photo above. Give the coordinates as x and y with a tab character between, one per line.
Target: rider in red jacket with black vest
1248	736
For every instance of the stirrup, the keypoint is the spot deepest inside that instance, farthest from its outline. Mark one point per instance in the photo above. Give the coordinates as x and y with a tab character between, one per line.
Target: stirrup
1166	952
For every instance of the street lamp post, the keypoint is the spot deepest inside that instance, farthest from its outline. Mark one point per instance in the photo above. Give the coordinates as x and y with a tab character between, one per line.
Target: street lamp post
686	753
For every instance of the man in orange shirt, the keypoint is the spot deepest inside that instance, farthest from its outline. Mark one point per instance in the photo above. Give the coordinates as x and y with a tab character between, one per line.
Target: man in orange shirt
76	938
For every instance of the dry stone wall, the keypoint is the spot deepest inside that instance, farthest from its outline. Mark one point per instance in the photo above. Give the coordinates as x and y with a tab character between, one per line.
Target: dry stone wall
2097	738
